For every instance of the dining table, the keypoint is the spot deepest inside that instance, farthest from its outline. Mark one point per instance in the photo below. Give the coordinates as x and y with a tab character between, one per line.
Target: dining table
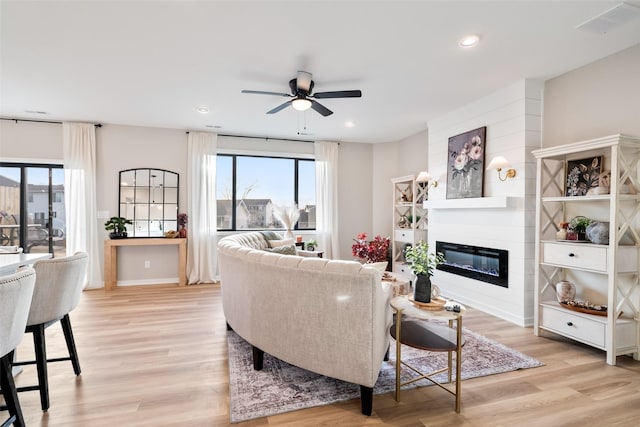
10	262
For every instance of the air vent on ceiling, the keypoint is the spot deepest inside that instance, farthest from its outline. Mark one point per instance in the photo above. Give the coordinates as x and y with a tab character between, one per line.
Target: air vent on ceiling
611	19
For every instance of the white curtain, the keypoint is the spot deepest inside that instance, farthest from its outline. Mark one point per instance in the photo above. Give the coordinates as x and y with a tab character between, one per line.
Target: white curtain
79	151
201	204
326	154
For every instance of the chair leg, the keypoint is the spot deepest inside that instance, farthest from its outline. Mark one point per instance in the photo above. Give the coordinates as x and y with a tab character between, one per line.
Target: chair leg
9	391
41	364
71	344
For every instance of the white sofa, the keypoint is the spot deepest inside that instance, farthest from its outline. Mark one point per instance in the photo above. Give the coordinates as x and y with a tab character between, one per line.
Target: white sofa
327	316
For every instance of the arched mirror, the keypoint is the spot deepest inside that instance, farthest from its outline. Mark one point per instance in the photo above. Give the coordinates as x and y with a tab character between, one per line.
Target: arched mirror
149	198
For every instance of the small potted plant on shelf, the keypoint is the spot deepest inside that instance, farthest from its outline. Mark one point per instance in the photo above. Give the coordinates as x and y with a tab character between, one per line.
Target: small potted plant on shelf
423	264
578	225
311	245
118	227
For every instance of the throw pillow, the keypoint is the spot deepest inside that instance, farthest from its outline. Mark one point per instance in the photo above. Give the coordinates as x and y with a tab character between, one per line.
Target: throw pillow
284	250
283	242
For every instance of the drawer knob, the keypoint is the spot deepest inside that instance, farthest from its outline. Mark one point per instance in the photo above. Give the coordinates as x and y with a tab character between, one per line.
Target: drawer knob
569	323
571	254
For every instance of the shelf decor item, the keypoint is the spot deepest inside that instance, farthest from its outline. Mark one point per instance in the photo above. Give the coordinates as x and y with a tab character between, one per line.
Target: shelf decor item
583	175
465	164
578	225
423	263
183	220
118	225
565	291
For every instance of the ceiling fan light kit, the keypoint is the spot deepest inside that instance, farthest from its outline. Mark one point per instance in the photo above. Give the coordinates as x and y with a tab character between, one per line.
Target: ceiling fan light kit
302	96
301	104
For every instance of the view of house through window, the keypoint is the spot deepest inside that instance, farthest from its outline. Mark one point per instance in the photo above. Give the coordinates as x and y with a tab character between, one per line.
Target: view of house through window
248	188
32	213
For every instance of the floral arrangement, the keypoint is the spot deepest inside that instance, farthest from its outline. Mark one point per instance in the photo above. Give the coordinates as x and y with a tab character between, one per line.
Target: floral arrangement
183	219
376	250
469	158
421	260
287	215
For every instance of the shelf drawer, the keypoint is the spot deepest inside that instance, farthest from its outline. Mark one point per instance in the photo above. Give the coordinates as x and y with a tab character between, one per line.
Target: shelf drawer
574	326
579	255
402	269
404	235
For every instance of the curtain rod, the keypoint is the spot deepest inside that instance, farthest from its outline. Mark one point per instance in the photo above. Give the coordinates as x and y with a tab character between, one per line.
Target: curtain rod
98	125
266	138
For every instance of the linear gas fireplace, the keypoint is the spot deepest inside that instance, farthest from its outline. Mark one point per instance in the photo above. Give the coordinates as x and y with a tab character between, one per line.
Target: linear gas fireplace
485	264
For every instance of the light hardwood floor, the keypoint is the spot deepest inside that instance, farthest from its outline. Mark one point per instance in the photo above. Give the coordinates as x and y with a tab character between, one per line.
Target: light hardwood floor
157	356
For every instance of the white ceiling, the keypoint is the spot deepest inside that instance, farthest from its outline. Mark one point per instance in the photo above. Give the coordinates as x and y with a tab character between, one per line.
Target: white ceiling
149	63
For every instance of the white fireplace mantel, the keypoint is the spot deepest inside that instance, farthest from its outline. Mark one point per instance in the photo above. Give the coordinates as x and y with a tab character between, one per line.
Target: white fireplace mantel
471	203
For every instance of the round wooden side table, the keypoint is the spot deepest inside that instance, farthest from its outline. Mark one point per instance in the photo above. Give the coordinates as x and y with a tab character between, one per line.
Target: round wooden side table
416	330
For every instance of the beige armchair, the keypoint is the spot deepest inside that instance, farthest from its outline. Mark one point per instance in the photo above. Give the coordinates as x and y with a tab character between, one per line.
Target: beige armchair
15	297
58	287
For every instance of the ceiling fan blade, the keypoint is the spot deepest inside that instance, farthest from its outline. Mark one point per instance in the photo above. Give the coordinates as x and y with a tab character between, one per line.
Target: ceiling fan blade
338	94
261	92
279	107
304	81
320	108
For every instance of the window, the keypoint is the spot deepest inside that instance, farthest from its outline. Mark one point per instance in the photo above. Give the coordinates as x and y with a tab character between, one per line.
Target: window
248	187
32	211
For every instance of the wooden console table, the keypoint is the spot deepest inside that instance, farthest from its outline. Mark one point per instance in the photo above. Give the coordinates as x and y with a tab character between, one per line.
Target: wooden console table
111	258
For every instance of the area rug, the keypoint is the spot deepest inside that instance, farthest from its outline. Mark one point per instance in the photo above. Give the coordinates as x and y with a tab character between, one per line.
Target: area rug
280	387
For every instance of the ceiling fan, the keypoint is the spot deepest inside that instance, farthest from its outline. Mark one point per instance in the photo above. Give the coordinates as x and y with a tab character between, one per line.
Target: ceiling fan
302	96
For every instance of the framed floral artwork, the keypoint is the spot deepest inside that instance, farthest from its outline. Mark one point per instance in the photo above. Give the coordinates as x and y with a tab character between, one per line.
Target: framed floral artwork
583	175
465	164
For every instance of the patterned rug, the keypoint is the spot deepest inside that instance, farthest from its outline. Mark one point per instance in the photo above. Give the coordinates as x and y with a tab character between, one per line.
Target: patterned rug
281	387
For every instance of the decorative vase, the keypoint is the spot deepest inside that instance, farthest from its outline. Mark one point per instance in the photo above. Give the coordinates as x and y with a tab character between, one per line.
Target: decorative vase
561	234
182	232
288	234
565	290
118	235
422	292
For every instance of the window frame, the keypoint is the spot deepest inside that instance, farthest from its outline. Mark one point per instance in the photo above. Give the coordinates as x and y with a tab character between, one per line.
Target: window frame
296	177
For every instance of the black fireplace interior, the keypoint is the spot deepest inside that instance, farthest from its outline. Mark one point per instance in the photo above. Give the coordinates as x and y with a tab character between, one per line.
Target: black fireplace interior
484	264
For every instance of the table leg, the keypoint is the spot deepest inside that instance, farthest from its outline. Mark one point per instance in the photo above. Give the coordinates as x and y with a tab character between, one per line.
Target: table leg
458	362
110	267
182	263
398	363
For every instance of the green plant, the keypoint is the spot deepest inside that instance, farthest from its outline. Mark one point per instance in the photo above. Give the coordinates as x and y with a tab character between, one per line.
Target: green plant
312	244
117	224
420	260
579	224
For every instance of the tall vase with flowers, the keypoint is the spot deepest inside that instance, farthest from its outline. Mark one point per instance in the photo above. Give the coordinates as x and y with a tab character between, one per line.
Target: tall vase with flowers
423	264
183	220
288	216
375	251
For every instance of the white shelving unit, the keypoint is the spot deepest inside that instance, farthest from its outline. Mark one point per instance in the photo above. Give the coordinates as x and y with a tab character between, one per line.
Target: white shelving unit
603	274
409	219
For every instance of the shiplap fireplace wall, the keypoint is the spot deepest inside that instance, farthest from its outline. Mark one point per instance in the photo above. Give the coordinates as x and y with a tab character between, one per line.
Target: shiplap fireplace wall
505	217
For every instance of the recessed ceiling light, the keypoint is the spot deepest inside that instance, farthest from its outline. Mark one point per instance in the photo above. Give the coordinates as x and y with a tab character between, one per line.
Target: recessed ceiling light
35	112
213	126
202	109
469	41
349	124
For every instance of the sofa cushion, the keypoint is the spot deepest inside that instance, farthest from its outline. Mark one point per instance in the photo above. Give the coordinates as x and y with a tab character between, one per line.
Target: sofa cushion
283	250
280	242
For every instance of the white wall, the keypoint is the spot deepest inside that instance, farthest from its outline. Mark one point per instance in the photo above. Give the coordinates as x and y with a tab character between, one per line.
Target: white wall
599	99
391	160
513	120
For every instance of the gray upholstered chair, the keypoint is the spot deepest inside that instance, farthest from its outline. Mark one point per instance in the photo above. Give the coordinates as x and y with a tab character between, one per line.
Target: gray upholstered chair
15	297
57	291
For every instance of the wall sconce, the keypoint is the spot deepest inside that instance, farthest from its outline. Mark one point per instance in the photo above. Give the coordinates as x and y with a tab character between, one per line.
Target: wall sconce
424	178
498	163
